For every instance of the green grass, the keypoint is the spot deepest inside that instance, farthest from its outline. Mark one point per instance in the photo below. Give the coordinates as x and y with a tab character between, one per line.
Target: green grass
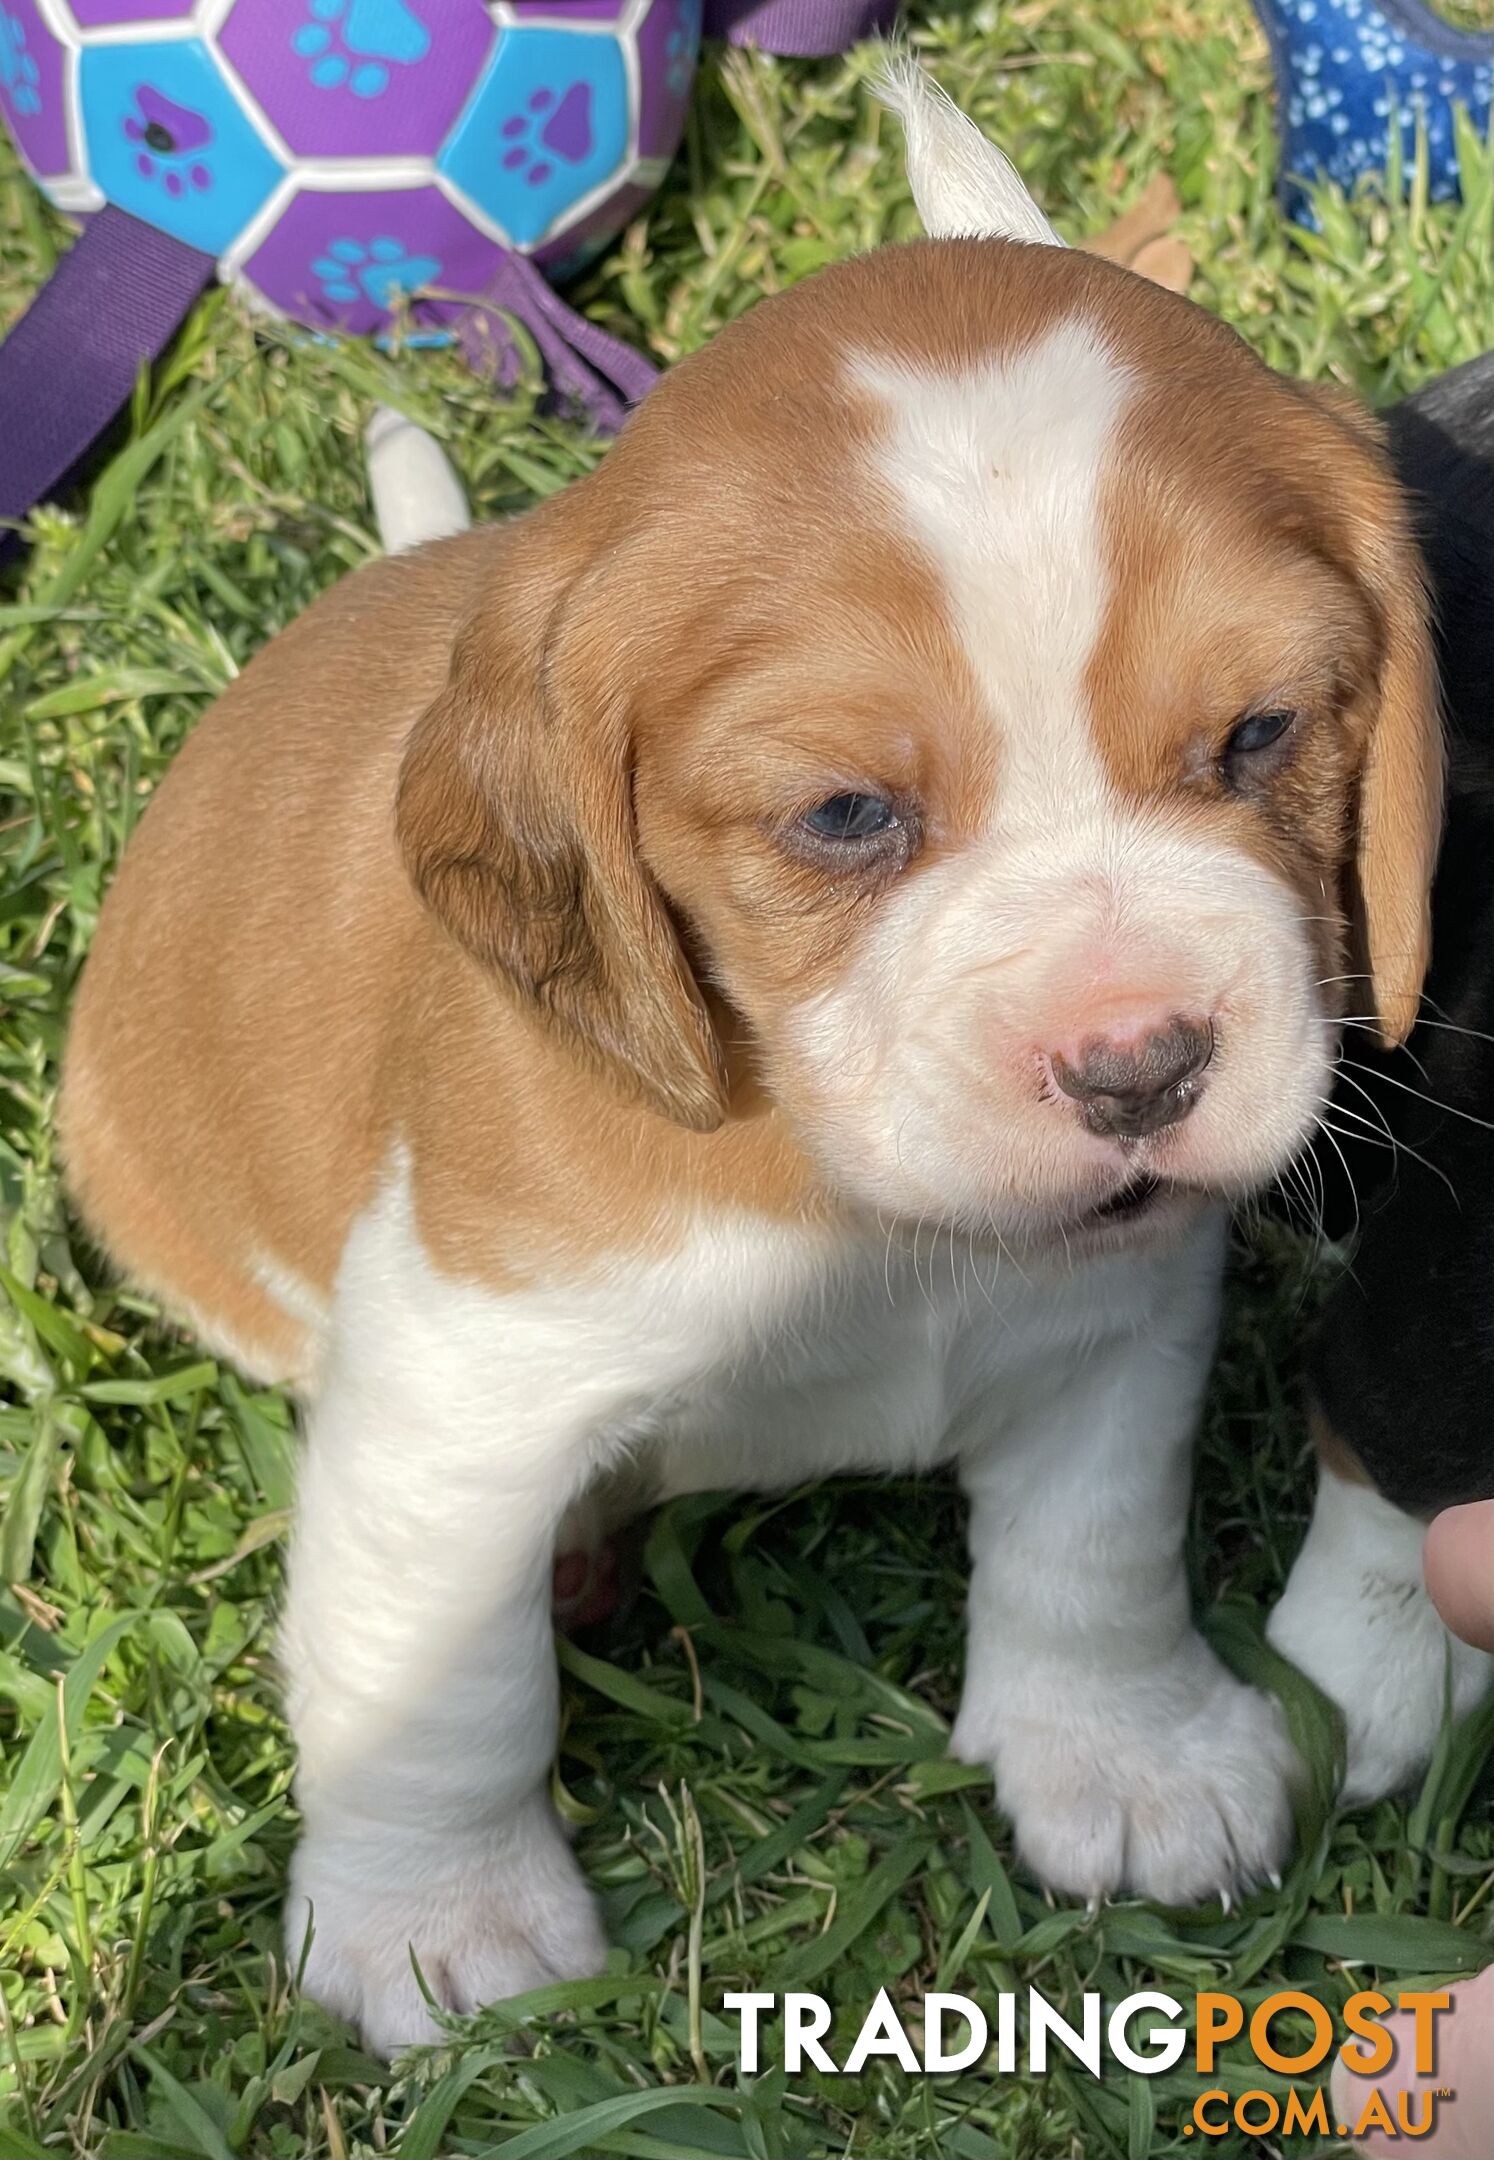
1467	14
144	1813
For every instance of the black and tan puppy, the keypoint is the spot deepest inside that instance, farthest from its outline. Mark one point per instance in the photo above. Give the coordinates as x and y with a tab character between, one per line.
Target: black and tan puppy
1402	1370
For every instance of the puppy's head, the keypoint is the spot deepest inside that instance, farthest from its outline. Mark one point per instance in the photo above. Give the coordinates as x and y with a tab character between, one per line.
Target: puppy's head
983	687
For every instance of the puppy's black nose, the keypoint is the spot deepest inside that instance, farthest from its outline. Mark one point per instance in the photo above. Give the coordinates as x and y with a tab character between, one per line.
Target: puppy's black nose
1133	1084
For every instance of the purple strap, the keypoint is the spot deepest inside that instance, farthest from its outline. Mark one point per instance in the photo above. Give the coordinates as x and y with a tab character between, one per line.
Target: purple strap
123	289
112	305
808	29
587	367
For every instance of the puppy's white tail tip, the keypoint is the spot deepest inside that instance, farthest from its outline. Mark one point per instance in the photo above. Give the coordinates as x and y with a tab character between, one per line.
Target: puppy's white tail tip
416	494
963	185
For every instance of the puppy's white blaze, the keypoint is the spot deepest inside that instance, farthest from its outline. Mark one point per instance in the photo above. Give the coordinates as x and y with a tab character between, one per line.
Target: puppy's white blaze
965	188
925	1058
996	472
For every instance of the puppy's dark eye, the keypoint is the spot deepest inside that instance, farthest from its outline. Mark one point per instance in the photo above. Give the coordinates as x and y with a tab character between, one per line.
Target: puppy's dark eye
850	818
1256	732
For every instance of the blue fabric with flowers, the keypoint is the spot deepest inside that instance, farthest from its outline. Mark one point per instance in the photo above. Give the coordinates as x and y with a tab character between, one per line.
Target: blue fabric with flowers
1348	72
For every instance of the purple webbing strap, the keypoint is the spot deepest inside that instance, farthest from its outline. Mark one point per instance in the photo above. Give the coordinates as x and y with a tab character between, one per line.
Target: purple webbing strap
587	366
113	303
123	289
590	370
807	29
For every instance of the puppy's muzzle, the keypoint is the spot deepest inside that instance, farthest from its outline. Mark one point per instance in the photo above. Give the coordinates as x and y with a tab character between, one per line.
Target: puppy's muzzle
1133	1083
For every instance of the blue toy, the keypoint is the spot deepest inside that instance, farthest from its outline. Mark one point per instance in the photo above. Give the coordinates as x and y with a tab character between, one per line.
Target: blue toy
1351	75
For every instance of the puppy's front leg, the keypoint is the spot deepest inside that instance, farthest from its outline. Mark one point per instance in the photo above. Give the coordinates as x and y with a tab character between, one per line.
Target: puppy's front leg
422	1682
1124	1753
1356	1617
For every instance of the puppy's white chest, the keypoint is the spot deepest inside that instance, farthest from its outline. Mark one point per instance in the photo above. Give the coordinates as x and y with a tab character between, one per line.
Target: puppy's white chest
754	1353
797	1359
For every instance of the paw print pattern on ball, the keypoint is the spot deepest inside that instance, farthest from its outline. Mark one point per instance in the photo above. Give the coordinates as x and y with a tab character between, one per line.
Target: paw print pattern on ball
347	262
549	124
668	45
167	134
1351	73
19	72
170	142
381	272
562	129
365	79
31	89
355	43
260	132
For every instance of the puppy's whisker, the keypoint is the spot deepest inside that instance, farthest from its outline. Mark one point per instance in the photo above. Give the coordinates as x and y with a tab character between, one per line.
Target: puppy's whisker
1312	1202
1369	1025
890	1227
1448	1027
1398	1147
1360	1089
1370	1136
1378	1133
1329	1136
1444	1021
1322	1197
1433	1102
1445	1027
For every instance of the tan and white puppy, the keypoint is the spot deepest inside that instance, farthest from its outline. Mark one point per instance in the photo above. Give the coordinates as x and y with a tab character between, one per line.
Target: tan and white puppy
774	963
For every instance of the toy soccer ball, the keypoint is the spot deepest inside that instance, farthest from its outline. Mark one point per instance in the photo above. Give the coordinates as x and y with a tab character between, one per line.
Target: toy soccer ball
339	156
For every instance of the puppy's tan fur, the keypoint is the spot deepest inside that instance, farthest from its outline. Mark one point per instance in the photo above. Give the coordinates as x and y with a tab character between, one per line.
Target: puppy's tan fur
495	1030
576	738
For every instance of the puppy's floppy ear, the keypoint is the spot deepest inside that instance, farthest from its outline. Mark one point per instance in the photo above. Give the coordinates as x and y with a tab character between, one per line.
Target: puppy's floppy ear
515	820
965	188
1401	781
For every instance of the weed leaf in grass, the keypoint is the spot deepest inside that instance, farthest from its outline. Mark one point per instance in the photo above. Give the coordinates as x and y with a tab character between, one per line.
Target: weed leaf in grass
191	2117
35	1784
1396	1943
28	1495
586	2128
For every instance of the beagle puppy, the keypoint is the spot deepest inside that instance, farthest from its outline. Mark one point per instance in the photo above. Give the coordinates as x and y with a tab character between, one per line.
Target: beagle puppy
778	962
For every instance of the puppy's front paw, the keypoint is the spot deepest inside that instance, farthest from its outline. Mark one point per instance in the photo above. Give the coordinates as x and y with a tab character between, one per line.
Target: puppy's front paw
1370	1637
1175	1785
483	1923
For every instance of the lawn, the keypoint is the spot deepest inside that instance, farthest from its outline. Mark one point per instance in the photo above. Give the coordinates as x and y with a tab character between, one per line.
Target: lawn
796	1823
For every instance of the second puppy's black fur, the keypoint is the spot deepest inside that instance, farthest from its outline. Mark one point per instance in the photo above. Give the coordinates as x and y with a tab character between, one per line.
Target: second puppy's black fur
1403	1366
